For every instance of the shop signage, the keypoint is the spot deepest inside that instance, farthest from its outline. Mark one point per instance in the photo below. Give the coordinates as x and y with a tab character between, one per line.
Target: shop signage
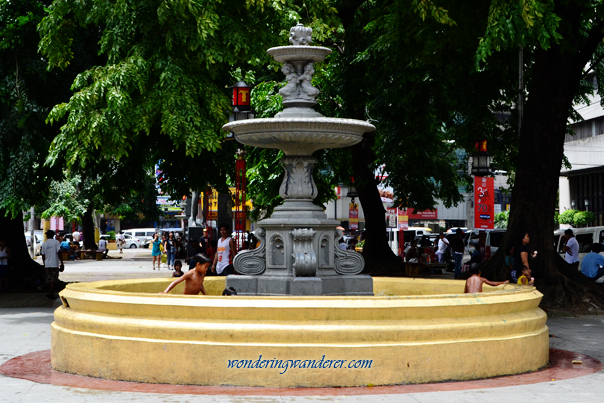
353	217
421	215
484	203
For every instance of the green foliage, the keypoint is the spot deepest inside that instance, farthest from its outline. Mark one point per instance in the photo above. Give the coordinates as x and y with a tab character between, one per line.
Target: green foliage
27	94
111	235
567	217
168	65
501	219
582	218
576	218
66	200
513	23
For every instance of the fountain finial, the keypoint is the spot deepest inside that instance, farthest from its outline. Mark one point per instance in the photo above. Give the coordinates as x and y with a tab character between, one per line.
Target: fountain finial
300	35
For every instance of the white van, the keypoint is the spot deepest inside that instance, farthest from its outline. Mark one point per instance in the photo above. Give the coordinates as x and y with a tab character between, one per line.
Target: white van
145	235
410	234
492	241
585	237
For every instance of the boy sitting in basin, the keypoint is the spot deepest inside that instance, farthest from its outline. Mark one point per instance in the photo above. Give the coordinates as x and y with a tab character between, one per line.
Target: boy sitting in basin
474	283
193	278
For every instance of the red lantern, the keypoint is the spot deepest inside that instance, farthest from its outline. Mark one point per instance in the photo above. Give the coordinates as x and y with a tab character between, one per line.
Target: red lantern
241	96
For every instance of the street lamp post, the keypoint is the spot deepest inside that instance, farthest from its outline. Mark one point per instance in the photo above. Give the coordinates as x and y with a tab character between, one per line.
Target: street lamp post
241	104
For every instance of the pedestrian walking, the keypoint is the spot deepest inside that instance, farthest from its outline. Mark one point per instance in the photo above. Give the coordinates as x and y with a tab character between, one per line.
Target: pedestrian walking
170	248
120	240
53	262
225	253
156	251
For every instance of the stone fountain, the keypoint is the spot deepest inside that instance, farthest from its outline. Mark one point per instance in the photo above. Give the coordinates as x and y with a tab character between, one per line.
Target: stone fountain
298	252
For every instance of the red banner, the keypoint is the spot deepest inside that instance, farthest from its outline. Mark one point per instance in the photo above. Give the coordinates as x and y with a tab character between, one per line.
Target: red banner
484	202
353	217
420	215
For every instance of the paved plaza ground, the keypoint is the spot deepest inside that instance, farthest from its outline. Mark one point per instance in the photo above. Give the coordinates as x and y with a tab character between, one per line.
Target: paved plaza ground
25	328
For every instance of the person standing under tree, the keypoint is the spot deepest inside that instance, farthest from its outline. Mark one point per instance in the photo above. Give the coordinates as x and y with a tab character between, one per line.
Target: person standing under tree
51	256
571	248
225	253
457	247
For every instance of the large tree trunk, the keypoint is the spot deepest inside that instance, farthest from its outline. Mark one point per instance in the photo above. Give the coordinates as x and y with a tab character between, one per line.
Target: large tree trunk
379	258
11	229
88	229
554	84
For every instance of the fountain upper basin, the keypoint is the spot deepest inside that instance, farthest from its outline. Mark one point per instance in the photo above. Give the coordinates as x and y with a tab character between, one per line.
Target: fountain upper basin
299	136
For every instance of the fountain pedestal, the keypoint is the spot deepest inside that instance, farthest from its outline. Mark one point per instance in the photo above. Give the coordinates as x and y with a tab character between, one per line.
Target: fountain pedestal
298	252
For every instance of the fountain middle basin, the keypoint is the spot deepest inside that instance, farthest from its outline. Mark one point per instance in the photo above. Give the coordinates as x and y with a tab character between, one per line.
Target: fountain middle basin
411	331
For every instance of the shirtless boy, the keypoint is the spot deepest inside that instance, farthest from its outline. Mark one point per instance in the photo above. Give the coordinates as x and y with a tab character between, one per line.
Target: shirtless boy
474	283
193	278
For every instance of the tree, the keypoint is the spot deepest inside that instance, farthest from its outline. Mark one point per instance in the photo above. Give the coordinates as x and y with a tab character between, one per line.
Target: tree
561	38
27	94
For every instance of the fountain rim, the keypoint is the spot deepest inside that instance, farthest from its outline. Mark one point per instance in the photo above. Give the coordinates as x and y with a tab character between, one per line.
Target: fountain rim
343	301
318	123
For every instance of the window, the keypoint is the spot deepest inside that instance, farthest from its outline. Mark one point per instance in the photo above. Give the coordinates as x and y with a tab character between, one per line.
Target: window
585	241
139	233
150	233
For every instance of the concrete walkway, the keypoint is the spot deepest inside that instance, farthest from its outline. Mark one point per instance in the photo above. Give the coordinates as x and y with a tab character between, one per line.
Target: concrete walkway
26	329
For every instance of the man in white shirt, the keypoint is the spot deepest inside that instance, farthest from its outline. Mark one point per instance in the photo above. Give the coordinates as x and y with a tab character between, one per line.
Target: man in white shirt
103	247
342	244
120	241
51	256
572	248
443	243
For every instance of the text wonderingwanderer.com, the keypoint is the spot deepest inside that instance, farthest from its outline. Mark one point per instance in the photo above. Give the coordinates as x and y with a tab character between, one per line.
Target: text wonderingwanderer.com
284	365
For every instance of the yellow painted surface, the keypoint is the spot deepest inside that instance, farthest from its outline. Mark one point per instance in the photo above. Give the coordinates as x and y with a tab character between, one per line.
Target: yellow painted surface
413	330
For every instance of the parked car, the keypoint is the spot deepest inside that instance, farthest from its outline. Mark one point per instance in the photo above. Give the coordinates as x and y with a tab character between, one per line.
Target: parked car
145	235
131	242
38	242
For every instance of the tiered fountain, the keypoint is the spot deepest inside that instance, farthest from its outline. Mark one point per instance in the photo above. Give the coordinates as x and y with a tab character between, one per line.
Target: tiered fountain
304	316
299	253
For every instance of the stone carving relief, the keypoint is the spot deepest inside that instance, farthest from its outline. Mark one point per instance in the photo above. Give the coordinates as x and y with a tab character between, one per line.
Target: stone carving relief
299	85
277	251
300	35
298	182
325	252
347	262
252	262
305	259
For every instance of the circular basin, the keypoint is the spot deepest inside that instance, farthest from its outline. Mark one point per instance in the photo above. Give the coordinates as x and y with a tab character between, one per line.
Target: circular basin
412	331
299	136
284	54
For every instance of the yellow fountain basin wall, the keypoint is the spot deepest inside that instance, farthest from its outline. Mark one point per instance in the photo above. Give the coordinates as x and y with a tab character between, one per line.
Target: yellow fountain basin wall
412	331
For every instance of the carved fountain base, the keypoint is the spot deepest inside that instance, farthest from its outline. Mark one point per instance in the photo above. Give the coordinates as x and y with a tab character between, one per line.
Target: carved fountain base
299	252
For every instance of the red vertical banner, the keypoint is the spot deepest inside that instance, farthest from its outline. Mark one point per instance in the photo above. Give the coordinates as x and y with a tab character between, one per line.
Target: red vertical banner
353	217
484	202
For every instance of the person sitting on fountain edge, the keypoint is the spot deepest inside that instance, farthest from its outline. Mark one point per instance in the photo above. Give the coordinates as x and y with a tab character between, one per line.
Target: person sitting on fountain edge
193	278
475	282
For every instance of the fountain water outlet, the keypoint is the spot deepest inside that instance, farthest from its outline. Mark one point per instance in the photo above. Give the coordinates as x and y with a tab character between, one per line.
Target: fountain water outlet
298	252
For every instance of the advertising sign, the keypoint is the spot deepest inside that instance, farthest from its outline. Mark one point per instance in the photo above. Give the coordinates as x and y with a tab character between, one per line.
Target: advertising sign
403	219
484	210
392	214
353	217
421	215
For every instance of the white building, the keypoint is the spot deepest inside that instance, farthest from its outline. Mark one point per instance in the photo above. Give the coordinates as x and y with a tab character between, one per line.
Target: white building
582	186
